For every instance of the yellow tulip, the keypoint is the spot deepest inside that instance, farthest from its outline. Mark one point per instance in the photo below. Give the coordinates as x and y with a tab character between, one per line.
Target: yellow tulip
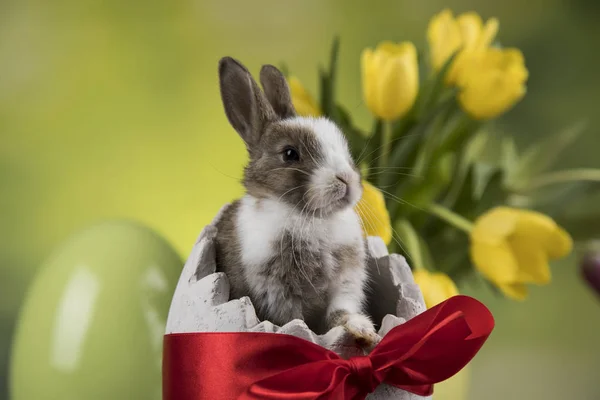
390	79
303	102
493	82
444	37
467	34
512	247
435	286
374	216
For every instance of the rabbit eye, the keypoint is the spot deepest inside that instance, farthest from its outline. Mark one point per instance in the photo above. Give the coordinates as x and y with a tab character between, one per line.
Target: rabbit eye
290	154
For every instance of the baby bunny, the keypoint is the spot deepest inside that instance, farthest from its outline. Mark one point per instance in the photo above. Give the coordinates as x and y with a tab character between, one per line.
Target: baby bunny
293	244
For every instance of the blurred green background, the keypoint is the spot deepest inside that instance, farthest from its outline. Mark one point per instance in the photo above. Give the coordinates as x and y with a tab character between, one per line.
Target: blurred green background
110	109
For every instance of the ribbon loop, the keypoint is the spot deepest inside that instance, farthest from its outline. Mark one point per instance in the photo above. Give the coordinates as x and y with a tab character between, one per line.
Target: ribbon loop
361	369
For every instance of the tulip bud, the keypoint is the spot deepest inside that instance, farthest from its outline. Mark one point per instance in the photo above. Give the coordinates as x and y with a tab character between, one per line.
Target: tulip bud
374	216
303	102
512	248
590	268
390	76
492	82
436	287
467	34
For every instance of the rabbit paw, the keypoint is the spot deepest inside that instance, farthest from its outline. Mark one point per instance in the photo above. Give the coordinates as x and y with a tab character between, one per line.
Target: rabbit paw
361	328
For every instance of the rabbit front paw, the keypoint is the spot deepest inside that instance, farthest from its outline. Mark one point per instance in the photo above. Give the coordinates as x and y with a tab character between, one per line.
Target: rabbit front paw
362	329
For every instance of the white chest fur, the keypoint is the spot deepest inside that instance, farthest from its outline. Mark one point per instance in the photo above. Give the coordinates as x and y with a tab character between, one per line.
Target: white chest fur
262	224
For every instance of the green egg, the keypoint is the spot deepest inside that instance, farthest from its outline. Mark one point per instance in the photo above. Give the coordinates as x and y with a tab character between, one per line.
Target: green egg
93	320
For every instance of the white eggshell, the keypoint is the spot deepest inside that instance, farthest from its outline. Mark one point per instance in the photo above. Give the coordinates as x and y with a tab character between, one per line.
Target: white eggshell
201	303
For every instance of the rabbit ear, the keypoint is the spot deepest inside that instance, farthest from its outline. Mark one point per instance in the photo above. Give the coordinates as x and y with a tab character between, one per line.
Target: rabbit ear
277	91
246	106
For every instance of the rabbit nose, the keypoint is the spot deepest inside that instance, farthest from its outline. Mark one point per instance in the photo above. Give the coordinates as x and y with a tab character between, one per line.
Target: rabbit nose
344	181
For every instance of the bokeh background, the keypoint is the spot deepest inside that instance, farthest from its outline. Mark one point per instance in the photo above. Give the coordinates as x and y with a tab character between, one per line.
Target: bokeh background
110	109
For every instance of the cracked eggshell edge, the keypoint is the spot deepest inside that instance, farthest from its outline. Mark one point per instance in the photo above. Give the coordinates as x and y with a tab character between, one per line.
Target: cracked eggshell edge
201	302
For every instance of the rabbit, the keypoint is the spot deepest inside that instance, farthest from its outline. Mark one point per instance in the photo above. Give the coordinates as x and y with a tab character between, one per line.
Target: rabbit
293	243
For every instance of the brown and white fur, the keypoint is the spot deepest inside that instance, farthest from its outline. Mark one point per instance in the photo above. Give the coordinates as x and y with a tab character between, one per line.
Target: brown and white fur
293	243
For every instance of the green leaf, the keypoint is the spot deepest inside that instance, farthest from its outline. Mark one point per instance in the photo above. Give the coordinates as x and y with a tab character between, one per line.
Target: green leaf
495	149
445	168
429	95
492	191
477	145
465	158
509	157
410	240
356	141
483	189
431	154
405	152
328	81
465	200
432	94
400	128
451	250
451	132
428	260
356	138
428	148
284	69
373	146
463	129
481	178
542	155
459	266
552	200
325	93
343	116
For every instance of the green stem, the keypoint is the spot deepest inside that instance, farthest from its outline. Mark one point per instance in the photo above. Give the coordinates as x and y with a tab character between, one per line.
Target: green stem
410	238
401	127
452	218
463	128
385	144
373	149
570	175
393	247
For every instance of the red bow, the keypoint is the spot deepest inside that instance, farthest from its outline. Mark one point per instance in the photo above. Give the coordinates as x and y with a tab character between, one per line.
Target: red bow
429	348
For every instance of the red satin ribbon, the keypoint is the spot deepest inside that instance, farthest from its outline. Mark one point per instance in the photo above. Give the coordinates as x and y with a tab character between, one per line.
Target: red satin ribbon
429	348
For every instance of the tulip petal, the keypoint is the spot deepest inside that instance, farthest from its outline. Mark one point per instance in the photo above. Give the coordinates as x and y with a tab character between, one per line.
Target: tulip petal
390	48
511	247
436	287
390	89
491	82
495	261
560	244
444	37
532	260
495	225
513	62
515	291
541	231
396	88
390	78
303	103
470	24
374	215
488	33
